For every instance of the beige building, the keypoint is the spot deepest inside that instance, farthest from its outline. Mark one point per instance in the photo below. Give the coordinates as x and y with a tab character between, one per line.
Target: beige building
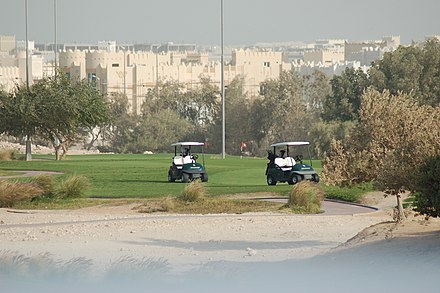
326	57
134	73
7	44
13	69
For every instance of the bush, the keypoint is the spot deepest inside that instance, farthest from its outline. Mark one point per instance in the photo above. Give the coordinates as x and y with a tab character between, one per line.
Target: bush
72	187
350	193
167	204
7	154
46	183
305	197
427	187
13	192
194	191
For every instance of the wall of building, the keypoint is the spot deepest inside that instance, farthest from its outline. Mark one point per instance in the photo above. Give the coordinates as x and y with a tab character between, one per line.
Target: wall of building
7	44
141	71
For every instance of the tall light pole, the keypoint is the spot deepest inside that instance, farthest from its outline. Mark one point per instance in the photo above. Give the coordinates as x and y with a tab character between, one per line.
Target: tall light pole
55	34
28	136
222	83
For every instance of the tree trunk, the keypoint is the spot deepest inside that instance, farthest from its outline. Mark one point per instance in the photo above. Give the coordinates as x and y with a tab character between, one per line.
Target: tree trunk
400	212
57	152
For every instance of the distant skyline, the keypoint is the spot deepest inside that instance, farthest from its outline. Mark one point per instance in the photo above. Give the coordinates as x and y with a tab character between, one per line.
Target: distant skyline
198	21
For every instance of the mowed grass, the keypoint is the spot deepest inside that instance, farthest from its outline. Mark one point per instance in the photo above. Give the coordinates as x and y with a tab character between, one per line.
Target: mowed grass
145	176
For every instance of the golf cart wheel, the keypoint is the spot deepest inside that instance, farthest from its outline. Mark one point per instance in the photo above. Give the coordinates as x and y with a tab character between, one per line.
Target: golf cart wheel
271	181
205	177
185	178
170	177
315	178
293	180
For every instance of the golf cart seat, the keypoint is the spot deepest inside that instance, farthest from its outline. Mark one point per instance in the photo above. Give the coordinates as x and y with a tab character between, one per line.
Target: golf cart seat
188	159
178	161
285	164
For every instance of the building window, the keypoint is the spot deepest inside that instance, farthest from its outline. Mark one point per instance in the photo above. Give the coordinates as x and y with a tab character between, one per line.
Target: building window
266	64
115	65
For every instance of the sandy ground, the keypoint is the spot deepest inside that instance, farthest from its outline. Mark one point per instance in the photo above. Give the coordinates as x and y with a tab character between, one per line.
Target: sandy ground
230	251
105	234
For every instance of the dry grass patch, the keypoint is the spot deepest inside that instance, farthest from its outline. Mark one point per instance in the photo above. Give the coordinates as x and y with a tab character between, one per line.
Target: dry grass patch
209	205
7	154
72	187
12	193
194	191
305	197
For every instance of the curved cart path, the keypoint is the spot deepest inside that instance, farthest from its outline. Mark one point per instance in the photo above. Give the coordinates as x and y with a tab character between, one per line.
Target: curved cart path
29	173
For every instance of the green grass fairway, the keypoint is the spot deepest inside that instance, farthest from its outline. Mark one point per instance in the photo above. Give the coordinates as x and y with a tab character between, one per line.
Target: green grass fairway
145	176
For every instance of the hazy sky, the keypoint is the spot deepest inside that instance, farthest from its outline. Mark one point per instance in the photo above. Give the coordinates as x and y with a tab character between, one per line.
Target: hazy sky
198	21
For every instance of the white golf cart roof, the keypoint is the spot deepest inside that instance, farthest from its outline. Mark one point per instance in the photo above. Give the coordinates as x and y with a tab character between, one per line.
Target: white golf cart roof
290	143
188	143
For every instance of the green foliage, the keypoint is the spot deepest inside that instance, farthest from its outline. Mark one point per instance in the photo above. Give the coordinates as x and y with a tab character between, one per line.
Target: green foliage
427	187
54	109
323	133
12	193
305	197
386	147
72	187
352	193
194	191
413	70
344	101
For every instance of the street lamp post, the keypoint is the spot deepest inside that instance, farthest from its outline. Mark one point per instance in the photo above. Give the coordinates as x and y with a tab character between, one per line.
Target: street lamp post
28	136
222	83
55	35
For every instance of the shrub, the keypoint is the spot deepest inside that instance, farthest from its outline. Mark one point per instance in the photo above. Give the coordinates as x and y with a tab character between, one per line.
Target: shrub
305	197
194	191
167	204
46	183
72	187
350	193
7	154
13	192
427	187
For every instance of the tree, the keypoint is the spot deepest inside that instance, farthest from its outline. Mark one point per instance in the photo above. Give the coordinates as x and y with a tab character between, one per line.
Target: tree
237	119
18	114
280	114
316	89
65	107
118	134
344	101
200	105
427	187
386	147
56	109
412	70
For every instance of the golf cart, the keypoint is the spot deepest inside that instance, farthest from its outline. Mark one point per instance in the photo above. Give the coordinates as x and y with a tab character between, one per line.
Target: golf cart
282	167
184	166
